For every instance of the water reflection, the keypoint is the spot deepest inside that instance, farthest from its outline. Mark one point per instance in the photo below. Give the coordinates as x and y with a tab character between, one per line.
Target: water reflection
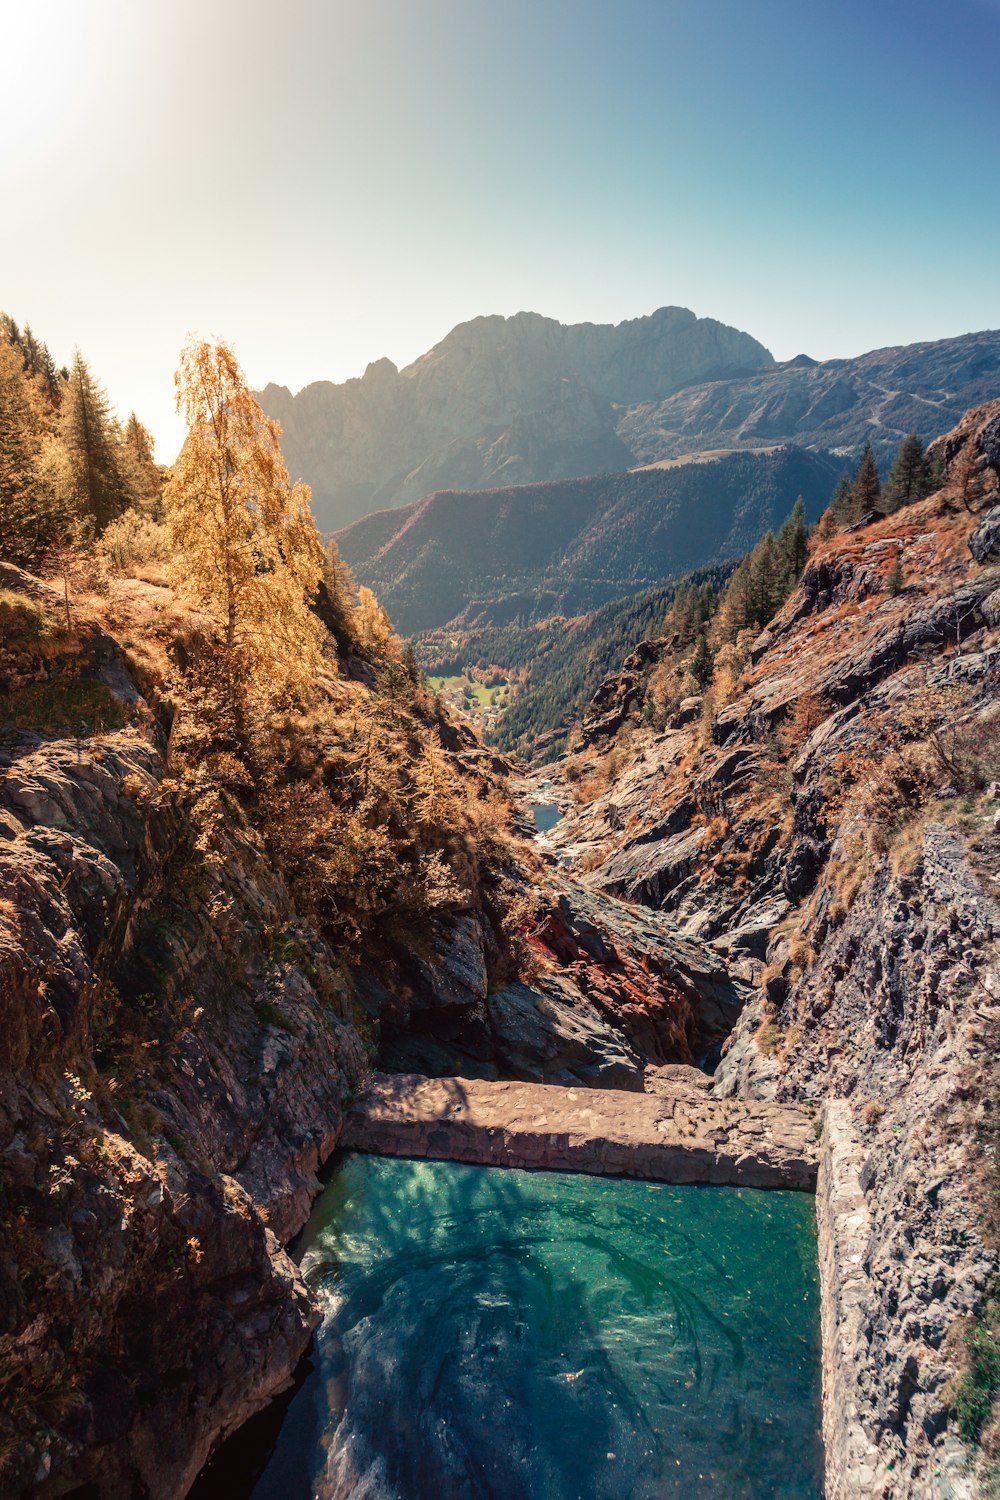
499	1335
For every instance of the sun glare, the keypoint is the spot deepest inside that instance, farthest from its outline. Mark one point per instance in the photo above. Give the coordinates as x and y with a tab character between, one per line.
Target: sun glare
49	54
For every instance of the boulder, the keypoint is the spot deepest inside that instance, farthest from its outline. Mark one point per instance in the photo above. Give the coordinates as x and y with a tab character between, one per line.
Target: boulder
984	543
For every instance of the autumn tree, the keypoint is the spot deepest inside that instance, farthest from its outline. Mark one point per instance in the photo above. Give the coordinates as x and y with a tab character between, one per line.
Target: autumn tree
965	474
250	549
31	465
98	478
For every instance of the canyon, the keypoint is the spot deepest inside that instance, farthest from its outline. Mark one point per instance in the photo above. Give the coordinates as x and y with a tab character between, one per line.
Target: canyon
792	884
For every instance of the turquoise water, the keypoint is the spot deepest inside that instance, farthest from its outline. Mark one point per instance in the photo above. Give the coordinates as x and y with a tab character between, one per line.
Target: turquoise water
505	1335
545	814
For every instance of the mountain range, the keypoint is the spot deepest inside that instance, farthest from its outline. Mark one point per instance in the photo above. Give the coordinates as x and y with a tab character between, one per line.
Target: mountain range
498	401
510	401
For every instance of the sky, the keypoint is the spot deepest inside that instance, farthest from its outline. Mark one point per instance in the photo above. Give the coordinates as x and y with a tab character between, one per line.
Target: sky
325	182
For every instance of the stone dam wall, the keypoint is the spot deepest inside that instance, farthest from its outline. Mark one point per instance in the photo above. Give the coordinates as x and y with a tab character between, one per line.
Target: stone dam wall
678	1134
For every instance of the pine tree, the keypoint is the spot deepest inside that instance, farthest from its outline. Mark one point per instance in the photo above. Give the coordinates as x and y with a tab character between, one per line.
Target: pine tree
250	547
894	580
410	664
909	477
793	546
337	598
144	474
701	662
98	473
20	539
840	503
765	581
735	612
866	489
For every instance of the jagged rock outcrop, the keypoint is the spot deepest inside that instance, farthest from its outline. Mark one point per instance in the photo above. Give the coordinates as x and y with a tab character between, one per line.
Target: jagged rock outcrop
498	401
148	1306
613	990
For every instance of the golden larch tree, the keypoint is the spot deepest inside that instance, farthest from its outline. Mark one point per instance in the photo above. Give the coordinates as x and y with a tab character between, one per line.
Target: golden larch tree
250	549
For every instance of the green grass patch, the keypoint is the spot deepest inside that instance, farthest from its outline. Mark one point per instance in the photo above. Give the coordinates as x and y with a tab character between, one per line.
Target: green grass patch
270	1015
465	689
62	706
22	618
977	1389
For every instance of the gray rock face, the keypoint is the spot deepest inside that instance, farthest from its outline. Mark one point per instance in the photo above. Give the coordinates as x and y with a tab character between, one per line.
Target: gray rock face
143	1256
984	543
499	401
893	1017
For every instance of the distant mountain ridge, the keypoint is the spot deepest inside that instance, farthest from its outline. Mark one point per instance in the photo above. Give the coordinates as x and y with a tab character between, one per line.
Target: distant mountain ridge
527	552
838	404
507	401
498	401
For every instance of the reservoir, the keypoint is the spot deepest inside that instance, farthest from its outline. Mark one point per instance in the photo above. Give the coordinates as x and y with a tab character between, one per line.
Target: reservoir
491	1334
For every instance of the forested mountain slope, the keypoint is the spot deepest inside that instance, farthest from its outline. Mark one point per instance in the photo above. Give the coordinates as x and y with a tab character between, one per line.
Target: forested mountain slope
532	551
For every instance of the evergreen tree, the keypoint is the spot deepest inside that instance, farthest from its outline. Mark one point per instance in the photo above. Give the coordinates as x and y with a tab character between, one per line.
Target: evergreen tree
866	489
937	474
701	662
19	530
840	502
410	665
793	546
765	592
894	580
909	477
98	473
144	474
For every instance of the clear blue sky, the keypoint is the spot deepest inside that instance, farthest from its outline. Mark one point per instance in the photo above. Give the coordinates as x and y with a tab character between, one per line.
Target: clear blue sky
324	182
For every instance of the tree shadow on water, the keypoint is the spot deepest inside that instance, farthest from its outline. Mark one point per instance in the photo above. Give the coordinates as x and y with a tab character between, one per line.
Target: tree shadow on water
492	1334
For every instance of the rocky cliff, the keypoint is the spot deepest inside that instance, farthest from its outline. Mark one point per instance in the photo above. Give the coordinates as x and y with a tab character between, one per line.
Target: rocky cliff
499	401
188	1006
829	826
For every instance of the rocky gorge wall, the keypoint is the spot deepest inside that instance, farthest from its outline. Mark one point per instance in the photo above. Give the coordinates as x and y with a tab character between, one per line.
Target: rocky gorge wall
830	829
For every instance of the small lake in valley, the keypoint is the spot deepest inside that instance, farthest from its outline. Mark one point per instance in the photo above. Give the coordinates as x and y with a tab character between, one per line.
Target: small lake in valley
491	1334
545	814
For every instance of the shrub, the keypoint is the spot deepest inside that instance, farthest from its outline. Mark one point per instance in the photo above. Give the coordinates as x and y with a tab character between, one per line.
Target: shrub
21	618
134	540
